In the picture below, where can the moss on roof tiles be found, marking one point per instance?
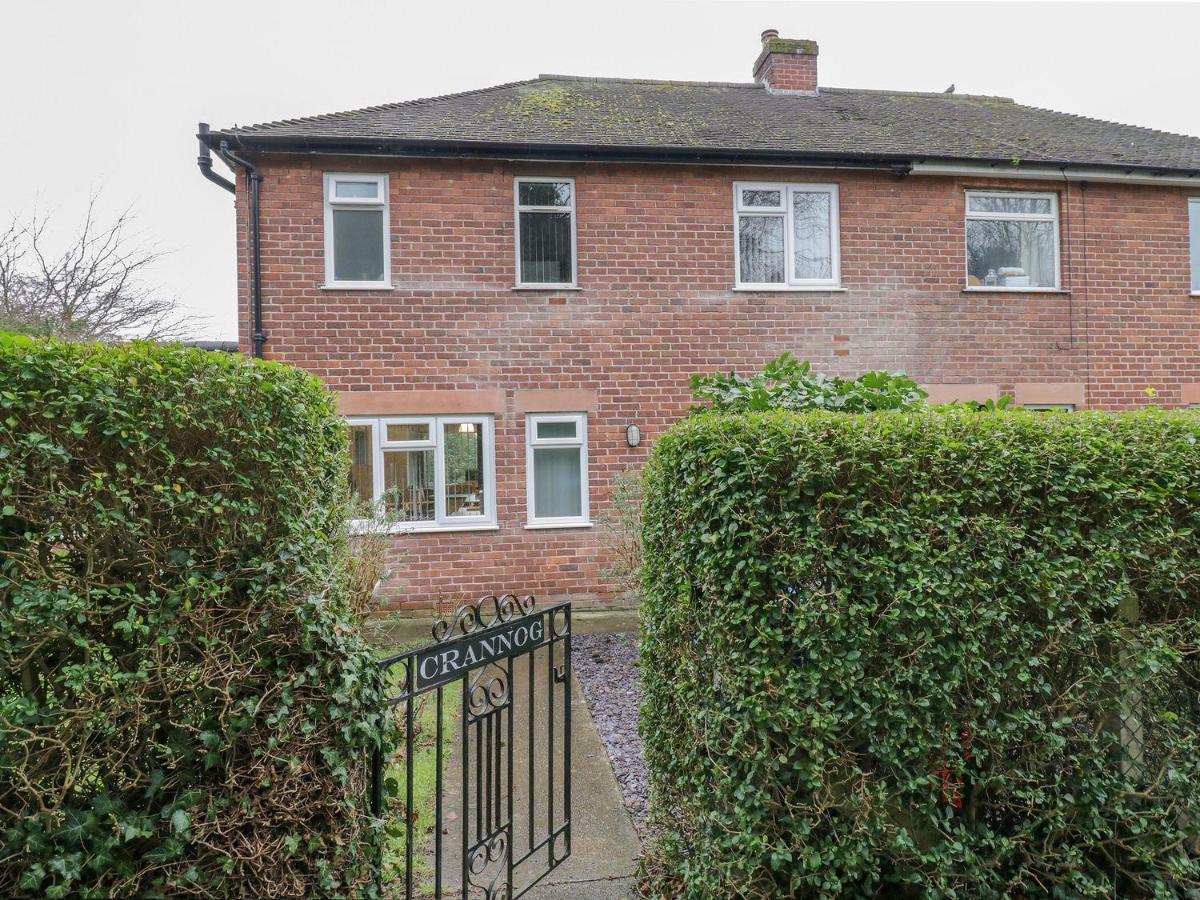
(744, 117)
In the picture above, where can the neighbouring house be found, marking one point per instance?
(509, 288)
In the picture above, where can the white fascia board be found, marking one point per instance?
(1045, 173)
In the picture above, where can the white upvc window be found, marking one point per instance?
(545, 232)
(1050, 407)
(557, 469)
(1194, 223)
(1012, 241)
(357, 244)
(787, 236)
(425, 472)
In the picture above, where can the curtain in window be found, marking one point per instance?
(545, 247)
(557, 489)
(1194, 210)
(358, 245)
(812, 249)
(362, 463)
(760, 243)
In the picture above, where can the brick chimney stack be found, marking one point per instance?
(786, 65)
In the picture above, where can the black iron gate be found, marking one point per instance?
(502, 821)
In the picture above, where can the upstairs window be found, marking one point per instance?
(545, 232)
(1012, 241)
(425, 471)
(787, 235)
(1194, 217)
(556, 468)
(356, 231)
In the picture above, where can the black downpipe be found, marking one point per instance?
(204, 161)
(255, 179)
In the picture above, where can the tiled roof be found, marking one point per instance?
(611, 114)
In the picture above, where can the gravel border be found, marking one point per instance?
(607, 668)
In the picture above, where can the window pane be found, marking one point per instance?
(362, 463)
(1194, 209)
(1010, 204)
(760, 243)
(408, 431)
(408, 484)
(556, 430)
(356, 189)
(544, 193)
(811, 245)
(556, 482)
(1010, 254)
(772, 199)
(358, 245)
(545, 248)
(465, 488)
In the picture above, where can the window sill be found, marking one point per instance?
(1194, 294)
(792, 289)
(366, 286)
(1013, 290)
(545, 526)
(360, 526)
(547, 287)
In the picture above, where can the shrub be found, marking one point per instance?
(788, 383)
(928, 654)
(190, 707)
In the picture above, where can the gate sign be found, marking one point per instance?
(443, 663)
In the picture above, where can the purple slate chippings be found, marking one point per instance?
(607, 668)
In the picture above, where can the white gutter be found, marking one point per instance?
(1045, 173)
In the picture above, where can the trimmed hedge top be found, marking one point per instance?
(945, 654)
(191, 709)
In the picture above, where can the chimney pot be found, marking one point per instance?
(786, 65)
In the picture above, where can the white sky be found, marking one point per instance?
(106, 95)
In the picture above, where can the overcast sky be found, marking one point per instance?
(105, 96)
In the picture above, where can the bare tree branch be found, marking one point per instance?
(93, 290)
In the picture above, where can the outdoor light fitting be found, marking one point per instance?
(633, 435)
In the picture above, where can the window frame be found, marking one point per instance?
(786, 212)
(436, 423)
(518, 208)
(1193, 208)
(532, 442)
(1053, 217)
(1049, 407)
(332, 202)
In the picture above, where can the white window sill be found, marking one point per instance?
(983, 289)
(362, 286)
(547, 287)
(360, 526)
(1195, 294)
(544, 526)
(793, 288)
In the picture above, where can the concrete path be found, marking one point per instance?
(604, 845)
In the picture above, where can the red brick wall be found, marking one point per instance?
(788, 72)
(655, 306)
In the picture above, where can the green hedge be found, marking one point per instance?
(188, 707)
(924, 654)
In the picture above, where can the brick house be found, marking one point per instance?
(506, 288)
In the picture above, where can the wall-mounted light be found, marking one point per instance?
(633, 435)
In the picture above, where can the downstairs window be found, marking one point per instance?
(425, 471)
